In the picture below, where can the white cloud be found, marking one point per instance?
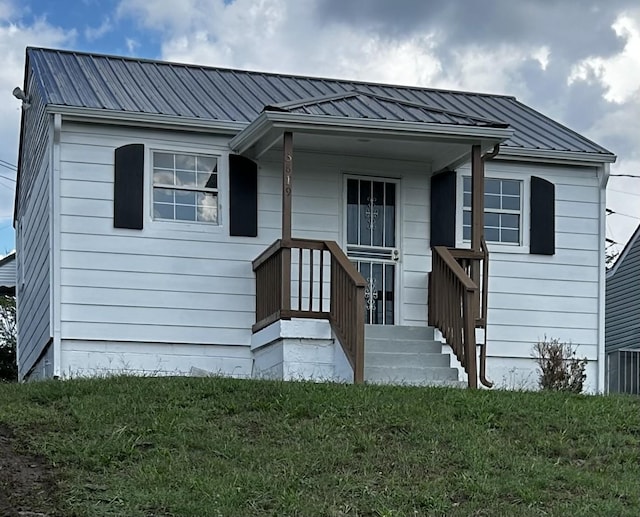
(287, 37)
(132, 45)
(15, 36)
(6, 10)
(490, 69)
(94, 33)
(620, 73)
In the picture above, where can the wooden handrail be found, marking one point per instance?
(345, 263)
(454, 307)
(266, 254)
(463, 253)
(276, 299)
(448, 257)
(458, 305)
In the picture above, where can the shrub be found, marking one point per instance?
(560, 368)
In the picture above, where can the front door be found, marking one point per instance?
(372, 243)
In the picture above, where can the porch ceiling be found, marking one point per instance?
(440, 145)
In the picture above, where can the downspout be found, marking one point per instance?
(54, 228)
(603, 174)
(483, 350)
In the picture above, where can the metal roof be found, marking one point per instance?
(359, 104)
(76, 79)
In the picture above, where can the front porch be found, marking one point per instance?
(302, 280)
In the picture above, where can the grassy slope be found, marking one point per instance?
(152, 446)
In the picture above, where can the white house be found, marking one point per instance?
(178, 219)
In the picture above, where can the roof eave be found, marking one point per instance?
(79, 114)
(555, 156)
(259, 134)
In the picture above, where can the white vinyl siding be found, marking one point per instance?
(187, 284)
(533, 296)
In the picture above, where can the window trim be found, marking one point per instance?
(523, 245)
(180, 225)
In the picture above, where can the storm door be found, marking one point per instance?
(372, 244)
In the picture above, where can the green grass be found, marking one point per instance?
(179, 446)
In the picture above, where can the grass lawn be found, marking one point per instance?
(207, 447)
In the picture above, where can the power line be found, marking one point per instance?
(9, 164)
(7, 167)
(8, 185)
(7, 177)
(610, 212)
(626, 175)
(623, 192)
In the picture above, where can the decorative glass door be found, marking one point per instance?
(371, 244)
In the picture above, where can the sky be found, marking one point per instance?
(576, 61)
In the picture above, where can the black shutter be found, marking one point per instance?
(243, 196)
(443, 209)
(128, 187)
(543, 217)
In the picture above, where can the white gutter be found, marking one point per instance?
(128, 118)
(295, 121)
(549, 155)
(603, 174)
(322, 122)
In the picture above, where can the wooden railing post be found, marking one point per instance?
(285, 275)
(358, 371)
(287, 183)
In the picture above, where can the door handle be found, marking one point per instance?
(395, 255)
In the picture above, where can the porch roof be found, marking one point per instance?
(358, 104)
(127, 89)
(442, 144)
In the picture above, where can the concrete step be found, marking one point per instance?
(406, 355)
(405, 346)
(396, 332)
(442, 384)
(408, 375)
(398, 359)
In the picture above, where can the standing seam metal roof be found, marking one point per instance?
(155, 87)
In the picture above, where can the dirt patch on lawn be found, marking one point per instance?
(27, 482)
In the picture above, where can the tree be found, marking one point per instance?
(611, 255)
(8, 339)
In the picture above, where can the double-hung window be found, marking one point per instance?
(185, 187)
(502, 210)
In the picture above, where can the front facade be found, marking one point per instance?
(147, 192)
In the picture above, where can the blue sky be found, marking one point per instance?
(576, 61)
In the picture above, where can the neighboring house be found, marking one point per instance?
(179, 219)
(622, 325)
(8, 274)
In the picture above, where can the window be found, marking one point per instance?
(502, 210)
(185, 187)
